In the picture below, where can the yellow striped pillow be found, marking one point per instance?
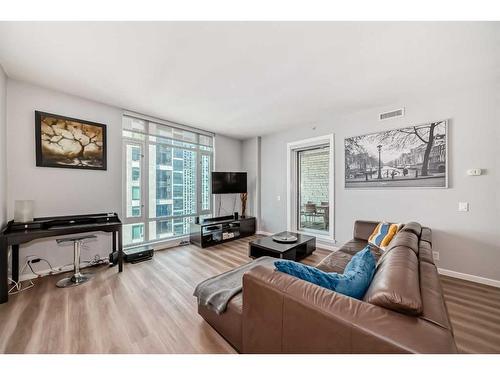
(383, 234)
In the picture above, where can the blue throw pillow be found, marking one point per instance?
(358, 274)
(363, 260)
(353, 282)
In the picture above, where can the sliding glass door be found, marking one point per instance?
(167, 186)
(310, 187)
(313, 189)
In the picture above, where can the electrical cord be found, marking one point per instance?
(17, 287)
(30, 259)
(92, 262)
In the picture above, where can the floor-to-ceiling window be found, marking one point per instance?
(167, 173)
(310, 179)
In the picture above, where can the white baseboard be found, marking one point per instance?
(465, 276)
(165, 243)
(264, 233)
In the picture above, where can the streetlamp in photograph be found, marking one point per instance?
(379, 163)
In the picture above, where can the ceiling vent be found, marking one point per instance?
(392, 114)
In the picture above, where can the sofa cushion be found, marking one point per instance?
(425, 252)
(413, 227)
(395, 285)
(337, 260)
(426, 235)
(353, 246)
(383, 234)
(353, 282)
(405, 238)
(434, 307)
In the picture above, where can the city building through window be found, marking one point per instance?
(167, 173)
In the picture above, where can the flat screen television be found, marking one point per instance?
(229, 182)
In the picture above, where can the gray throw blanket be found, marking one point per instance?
(214, 293)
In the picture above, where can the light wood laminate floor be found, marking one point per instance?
(149, 308)
(474, 311)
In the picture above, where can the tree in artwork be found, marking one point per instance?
(414, 156)
(71, 143)
(403, 138)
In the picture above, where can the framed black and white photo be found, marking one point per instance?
(65, 142)
(411, 157)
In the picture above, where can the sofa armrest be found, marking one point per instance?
(283, 314)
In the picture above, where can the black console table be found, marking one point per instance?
(222, 229)
(15, 234)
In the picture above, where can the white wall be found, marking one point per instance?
(468, 242)
(227, 159)
(3, 152)
(250, 160)
(59, 191)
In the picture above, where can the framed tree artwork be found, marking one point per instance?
(411, 157)
(65, 142)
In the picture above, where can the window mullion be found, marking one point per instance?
(146, 185)
(198, 180)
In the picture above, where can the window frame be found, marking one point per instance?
(141, 217)
(144, 144)
(292, 185)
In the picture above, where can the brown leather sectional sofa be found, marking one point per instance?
(403, 310)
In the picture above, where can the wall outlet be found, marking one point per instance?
(463, 206)
(435, 255)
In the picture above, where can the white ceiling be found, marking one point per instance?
(249, 78)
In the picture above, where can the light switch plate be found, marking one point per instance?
(435, 255)
(474, 172)
(463, 206)
(278, 198)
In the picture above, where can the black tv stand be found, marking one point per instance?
(214, 231)
(215, 219)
